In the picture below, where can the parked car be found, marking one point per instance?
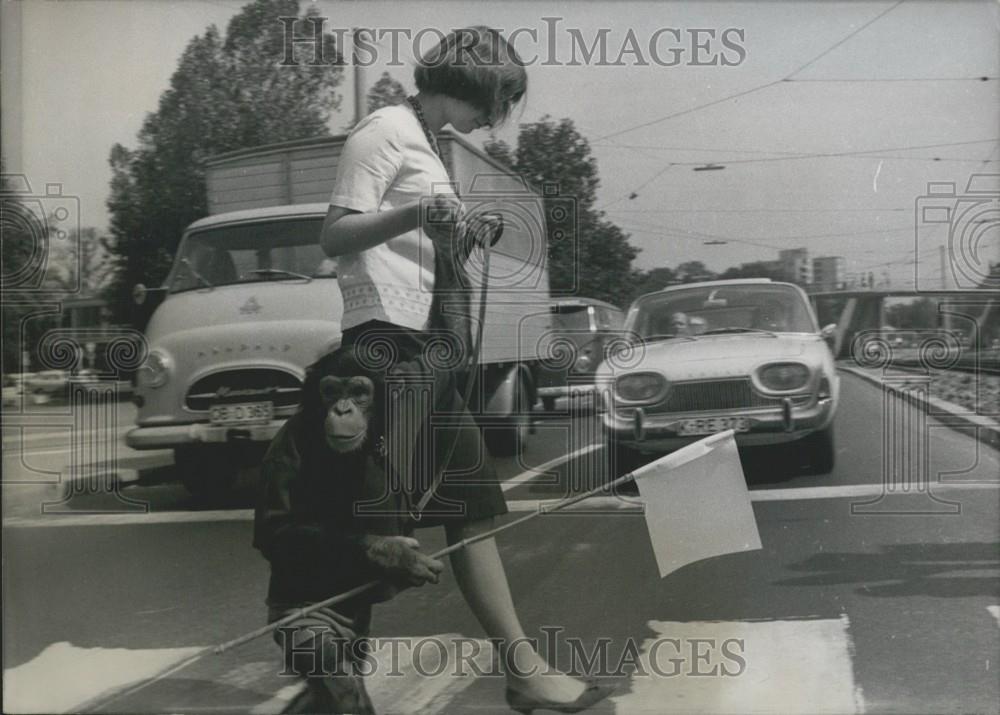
(11, 391)
(46, 385)
(581, 329)
(759, 366)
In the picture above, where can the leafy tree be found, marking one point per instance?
(654, 280)
(756, 269)
(83, 263)
(694, 271)
(589, 257)
(226, 94)
(386, 92)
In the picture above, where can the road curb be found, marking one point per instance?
(949, 414)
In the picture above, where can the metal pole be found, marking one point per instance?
(360, 110)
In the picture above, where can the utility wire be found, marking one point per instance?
(752, 90)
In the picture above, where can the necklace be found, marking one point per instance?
(431, 139)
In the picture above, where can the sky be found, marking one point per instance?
(830, 119)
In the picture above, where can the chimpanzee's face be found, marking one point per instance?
(349, 403)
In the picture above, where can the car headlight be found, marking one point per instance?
(155, 371)
(640, 387)
(784, 376)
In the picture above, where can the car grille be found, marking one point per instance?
(709, 395)
(281, 388)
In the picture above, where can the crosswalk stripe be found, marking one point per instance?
(745, 666)
(65, 677)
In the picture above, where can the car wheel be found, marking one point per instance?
(510, 439)
(207, 472)
(818, 449)
(549, 404)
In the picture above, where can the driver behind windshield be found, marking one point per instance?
(774, 316)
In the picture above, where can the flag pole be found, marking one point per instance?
(671, 460)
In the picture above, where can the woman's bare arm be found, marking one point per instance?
(347, 231)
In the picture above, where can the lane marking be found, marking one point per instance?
(535, 472)
(995, 612)
(63, 676)
(624, 504)
(745, 666)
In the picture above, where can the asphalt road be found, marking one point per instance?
(873, 592)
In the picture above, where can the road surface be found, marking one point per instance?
(864, 598)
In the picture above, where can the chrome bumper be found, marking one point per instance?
(573, 389)
(769, 426)
(167, 436)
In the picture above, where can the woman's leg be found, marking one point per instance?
(483, 581)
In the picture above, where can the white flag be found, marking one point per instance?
(697, 503)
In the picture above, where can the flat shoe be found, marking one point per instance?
(593, 694)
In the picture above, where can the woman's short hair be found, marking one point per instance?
(476, 65)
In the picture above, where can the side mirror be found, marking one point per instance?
(829, 334)
(140, 293)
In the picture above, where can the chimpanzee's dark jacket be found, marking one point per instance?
(306, 523)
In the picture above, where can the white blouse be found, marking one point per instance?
(386, 163)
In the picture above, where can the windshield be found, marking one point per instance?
(721, 309)
(571, 318)
(251, 253)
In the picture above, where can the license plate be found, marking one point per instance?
(711, 425)
(241, 413)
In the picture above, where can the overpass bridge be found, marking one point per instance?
(966, 319)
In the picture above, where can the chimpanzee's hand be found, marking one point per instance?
(400, 558)
(441, 214)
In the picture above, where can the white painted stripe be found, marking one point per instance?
(64, 431)
(995, 612)
(860, 490)
(744, 667)
(624, 504)
(63, 677)
(536, 472)
(423, 683)
(279, 701)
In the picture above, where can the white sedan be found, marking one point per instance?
(745, 355)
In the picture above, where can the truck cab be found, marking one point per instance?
(250, 302)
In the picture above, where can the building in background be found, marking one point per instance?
(828, 273)
(795, 265)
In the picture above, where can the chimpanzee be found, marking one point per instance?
(326, 459)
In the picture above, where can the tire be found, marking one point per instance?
(207, 472)
(818, 449)
(510, 439)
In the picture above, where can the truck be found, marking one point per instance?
(251, 300)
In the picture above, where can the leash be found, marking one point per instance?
(473, 368)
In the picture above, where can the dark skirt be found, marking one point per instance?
(470, 490)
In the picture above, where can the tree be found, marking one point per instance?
(83, 263)
(756, 269)
(385, 93)
(225, 94)
(694, 271)
(588, 255)
(654, 280)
